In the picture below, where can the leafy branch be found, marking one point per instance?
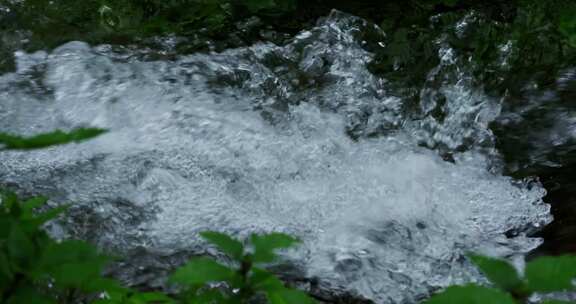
(542, 275)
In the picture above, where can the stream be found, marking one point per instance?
(298, 138)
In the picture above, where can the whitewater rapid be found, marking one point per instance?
(259, 139)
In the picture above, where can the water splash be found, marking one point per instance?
(258, 139)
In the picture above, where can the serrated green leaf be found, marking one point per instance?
(200, 271)
(555, 302)
(225, 243)
(266, 245)
(289, 296)
(471, 294)
(499, 272)
(14, 142)
(548, 274)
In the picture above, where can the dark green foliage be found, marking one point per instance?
(542, 275)
(265, 246)
(242, 277)
(201, 271)
(500, 273)
(504, 45)
(548, 274)
(13, 142)
(471, 294)
(36, 269)
(125, 21)
(225, 243)
(567, 24)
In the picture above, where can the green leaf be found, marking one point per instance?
(49, 215)
(32, 220)
(150, 297)
(265, 246)
(555, 302)
(6, 223)
(13, 142)
(98, 284)
(211, 296)
(9, 201)
(115, 297)
(19, 244)
(58, 254)
(265, 281)
(29, 295)
(5, 269)
(471, 294)
(77, 275)
(74, 264)
(289, 296)
(33, 203)
(567, 24)
(499, 272)
(200, 271)
(547, 274)
(226, 244)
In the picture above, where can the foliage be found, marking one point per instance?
(13, 142)
(508, 43)
(34, 268)
(542, 275)
(471, 294)
(567, 24)
(126, 21)
(244, 279)
(37, 269)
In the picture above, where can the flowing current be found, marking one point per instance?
(258, 139)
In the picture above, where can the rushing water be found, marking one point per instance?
(258, 139)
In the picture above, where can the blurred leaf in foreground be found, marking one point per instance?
(14, 142)
(471, 294)
(549, 274)
(500, 273)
